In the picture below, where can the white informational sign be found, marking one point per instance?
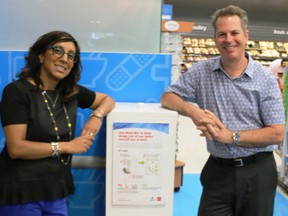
(139, 169)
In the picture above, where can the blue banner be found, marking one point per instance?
(124, 76)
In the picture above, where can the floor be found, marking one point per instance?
(186, 200)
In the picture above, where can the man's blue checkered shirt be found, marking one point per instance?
(248, 102)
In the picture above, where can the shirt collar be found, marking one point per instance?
(248, 71)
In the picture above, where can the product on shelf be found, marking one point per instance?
(196, 49)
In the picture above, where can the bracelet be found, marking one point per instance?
(98, 115)
(101, 111)
(55, 149)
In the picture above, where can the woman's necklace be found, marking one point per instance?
(46, 97)
(53, 102)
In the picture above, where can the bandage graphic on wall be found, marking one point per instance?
(127, 70)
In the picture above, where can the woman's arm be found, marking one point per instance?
(102, 105)
(20, 148)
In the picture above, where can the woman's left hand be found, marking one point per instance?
(92, 126)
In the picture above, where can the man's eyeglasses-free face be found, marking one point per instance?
(59, 52)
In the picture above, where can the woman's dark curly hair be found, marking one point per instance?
(67, 86)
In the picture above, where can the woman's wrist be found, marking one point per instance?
(98, 113)
(62, 147)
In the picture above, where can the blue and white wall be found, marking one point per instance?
(120, 42)
(127, 78)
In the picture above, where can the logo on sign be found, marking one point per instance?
(172, 26)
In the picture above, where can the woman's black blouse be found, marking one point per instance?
(23, 181)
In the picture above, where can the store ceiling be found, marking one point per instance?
(267, 11)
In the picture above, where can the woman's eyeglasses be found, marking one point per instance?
(59, 52)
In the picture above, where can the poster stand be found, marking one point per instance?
(140, 160)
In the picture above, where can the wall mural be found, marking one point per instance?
(127, 77)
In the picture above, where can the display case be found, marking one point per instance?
(196, 49)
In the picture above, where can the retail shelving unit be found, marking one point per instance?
(196, 49)
(172, 43)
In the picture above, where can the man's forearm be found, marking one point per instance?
(262, 137)
(175, 102)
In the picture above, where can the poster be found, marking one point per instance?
(139, 158)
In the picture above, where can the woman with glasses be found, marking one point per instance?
(38, 115)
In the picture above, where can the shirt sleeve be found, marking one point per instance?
(85, 96)
(271, 104)
(188, 84)
(14, 106)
